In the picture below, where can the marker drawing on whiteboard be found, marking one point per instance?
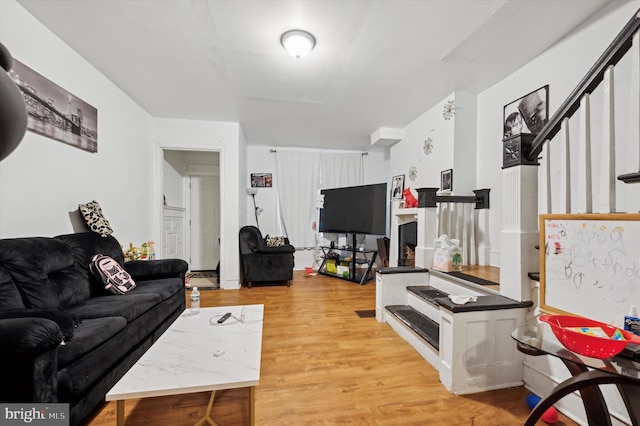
(558, 248)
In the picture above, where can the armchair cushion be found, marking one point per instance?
(275, 249)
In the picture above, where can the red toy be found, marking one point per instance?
(409, 199)
(550, 416)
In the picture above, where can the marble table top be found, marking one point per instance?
(197, 354)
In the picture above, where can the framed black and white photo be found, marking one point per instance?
(527, 114)
(446, 180)
(261, 180)
(54, 112)
(397, 186)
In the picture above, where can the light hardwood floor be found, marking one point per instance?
(324, 365)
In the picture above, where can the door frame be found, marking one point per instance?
(158, 189)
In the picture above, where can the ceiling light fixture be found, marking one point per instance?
(298, 42)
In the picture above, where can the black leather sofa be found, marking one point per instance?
(63, 338)
(260, 262)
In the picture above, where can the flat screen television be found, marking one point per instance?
(355, 210)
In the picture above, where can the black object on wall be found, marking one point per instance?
(13, 110)
(355, 210)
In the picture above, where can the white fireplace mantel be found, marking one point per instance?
(406, 215)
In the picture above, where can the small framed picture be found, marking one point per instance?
(527, 114)
(261, 180)
(446, 180)
(397, 186)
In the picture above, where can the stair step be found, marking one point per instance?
(427, 292)
(424, 326)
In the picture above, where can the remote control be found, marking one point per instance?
(224, 318)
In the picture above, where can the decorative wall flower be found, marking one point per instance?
(449, 110)
(428, 146)
(413, 173)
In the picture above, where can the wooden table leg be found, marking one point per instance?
(120, 412)
(252, 405)
(207, 415)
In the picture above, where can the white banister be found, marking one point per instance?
(544, 177)
(564, 188)
(633, 153)
(607, 193)
(584, 204)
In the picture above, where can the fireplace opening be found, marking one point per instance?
(407, 241)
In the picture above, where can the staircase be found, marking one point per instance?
(469, 344)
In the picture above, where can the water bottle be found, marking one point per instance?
(195, 301)
(631, 321)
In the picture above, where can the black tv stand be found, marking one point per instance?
(334, 259)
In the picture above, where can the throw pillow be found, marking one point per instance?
(111, 274)
(274, 241)
(92, 214)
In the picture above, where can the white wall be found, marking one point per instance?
(173, 178)
(261, 160)
(561, 67)
(409, 152)
(43, 179)
(174, 172)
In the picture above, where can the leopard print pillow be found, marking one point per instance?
(274, 241)
(92, 214)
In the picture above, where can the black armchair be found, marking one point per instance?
(259, 262)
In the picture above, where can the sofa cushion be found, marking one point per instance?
(130, 305)
(44, 272)
(90, 334)
(84, 246)
(9, 295)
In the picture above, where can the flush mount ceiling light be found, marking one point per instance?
(297, 42)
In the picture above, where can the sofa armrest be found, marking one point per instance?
(275, 249)
(24, 336)
(29, 359)
(156, 269)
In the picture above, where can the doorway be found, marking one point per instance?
(204, 224)
(191, 184)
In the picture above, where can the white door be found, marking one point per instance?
(205, 222)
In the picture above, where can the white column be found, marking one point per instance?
(518, 255)
(427, 233)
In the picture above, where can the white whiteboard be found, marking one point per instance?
(590, 265)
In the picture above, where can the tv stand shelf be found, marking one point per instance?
(335, 259)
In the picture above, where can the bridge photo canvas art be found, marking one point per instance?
(54, 112)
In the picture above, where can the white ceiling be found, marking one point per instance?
(376, 63)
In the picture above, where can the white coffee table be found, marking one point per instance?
(197, 354)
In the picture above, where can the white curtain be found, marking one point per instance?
(300, 176)
(297, 174)
(338, 170)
